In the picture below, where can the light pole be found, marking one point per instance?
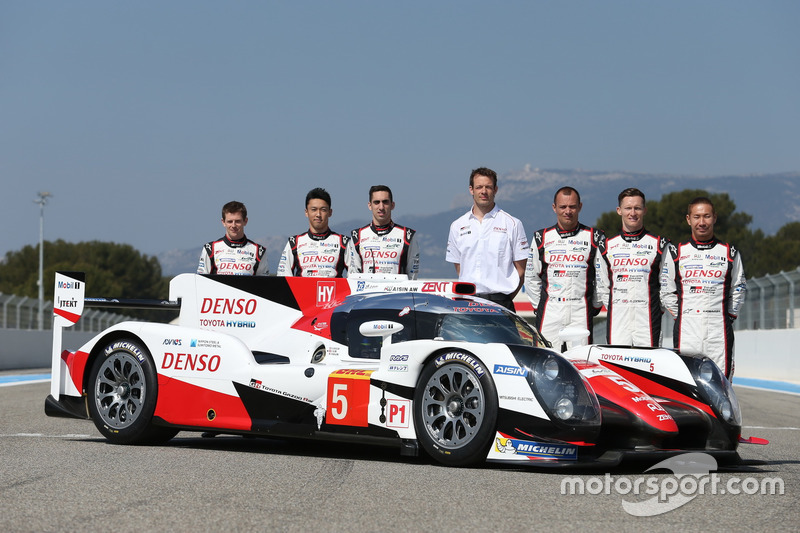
(42, 201)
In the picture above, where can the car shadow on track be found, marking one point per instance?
(388, 454)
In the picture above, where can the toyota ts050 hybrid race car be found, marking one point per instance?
(380, 360)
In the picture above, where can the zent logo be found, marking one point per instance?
(435, 286)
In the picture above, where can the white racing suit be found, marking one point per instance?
(560, 279)
(388, 249)
(315, 255)
(242, 258)
(703, 287)
(628, 284)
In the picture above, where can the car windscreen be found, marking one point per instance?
(487, 327)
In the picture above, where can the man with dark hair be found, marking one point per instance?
(382, 246)
(319, 252)
(560, 278)
(628, 276)
(234, 253)
(703, 287)
(488, 246)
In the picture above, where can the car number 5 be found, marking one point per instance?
(339, 397)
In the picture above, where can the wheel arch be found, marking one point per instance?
(447, 349)
(101, 344)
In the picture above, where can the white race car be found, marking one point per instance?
(381, 360)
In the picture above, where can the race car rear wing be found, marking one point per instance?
(68, 305)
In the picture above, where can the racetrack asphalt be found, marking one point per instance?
(59, 474)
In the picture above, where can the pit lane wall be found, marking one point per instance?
(767, 354)
(22, 349)
(760, 354)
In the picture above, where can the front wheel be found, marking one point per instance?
(123, 392)
(455, 409)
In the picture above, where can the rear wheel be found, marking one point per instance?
(455, 409)
(122, 395)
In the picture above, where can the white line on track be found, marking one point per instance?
(43, 436)
(765, 427)
(12, 383)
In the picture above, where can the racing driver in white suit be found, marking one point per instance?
(703, 287)
(560, 278)
(382, 246)
(319, 252)
(234, 253)
(629, 275)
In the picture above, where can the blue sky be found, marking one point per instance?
(143, 118)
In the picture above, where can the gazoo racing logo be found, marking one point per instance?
(457, 356)
(228, 306)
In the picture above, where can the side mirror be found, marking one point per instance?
(380, 328)
(576, 336)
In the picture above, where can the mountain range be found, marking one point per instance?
(771, 199)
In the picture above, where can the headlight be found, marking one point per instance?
(550, 368)
(715, 389)
(706, 371)
(565, 408)
(561, 389)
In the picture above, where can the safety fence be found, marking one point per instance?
(22, 312)
(771, 302)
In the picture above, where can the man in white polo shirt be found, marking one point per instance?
(488, 246)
